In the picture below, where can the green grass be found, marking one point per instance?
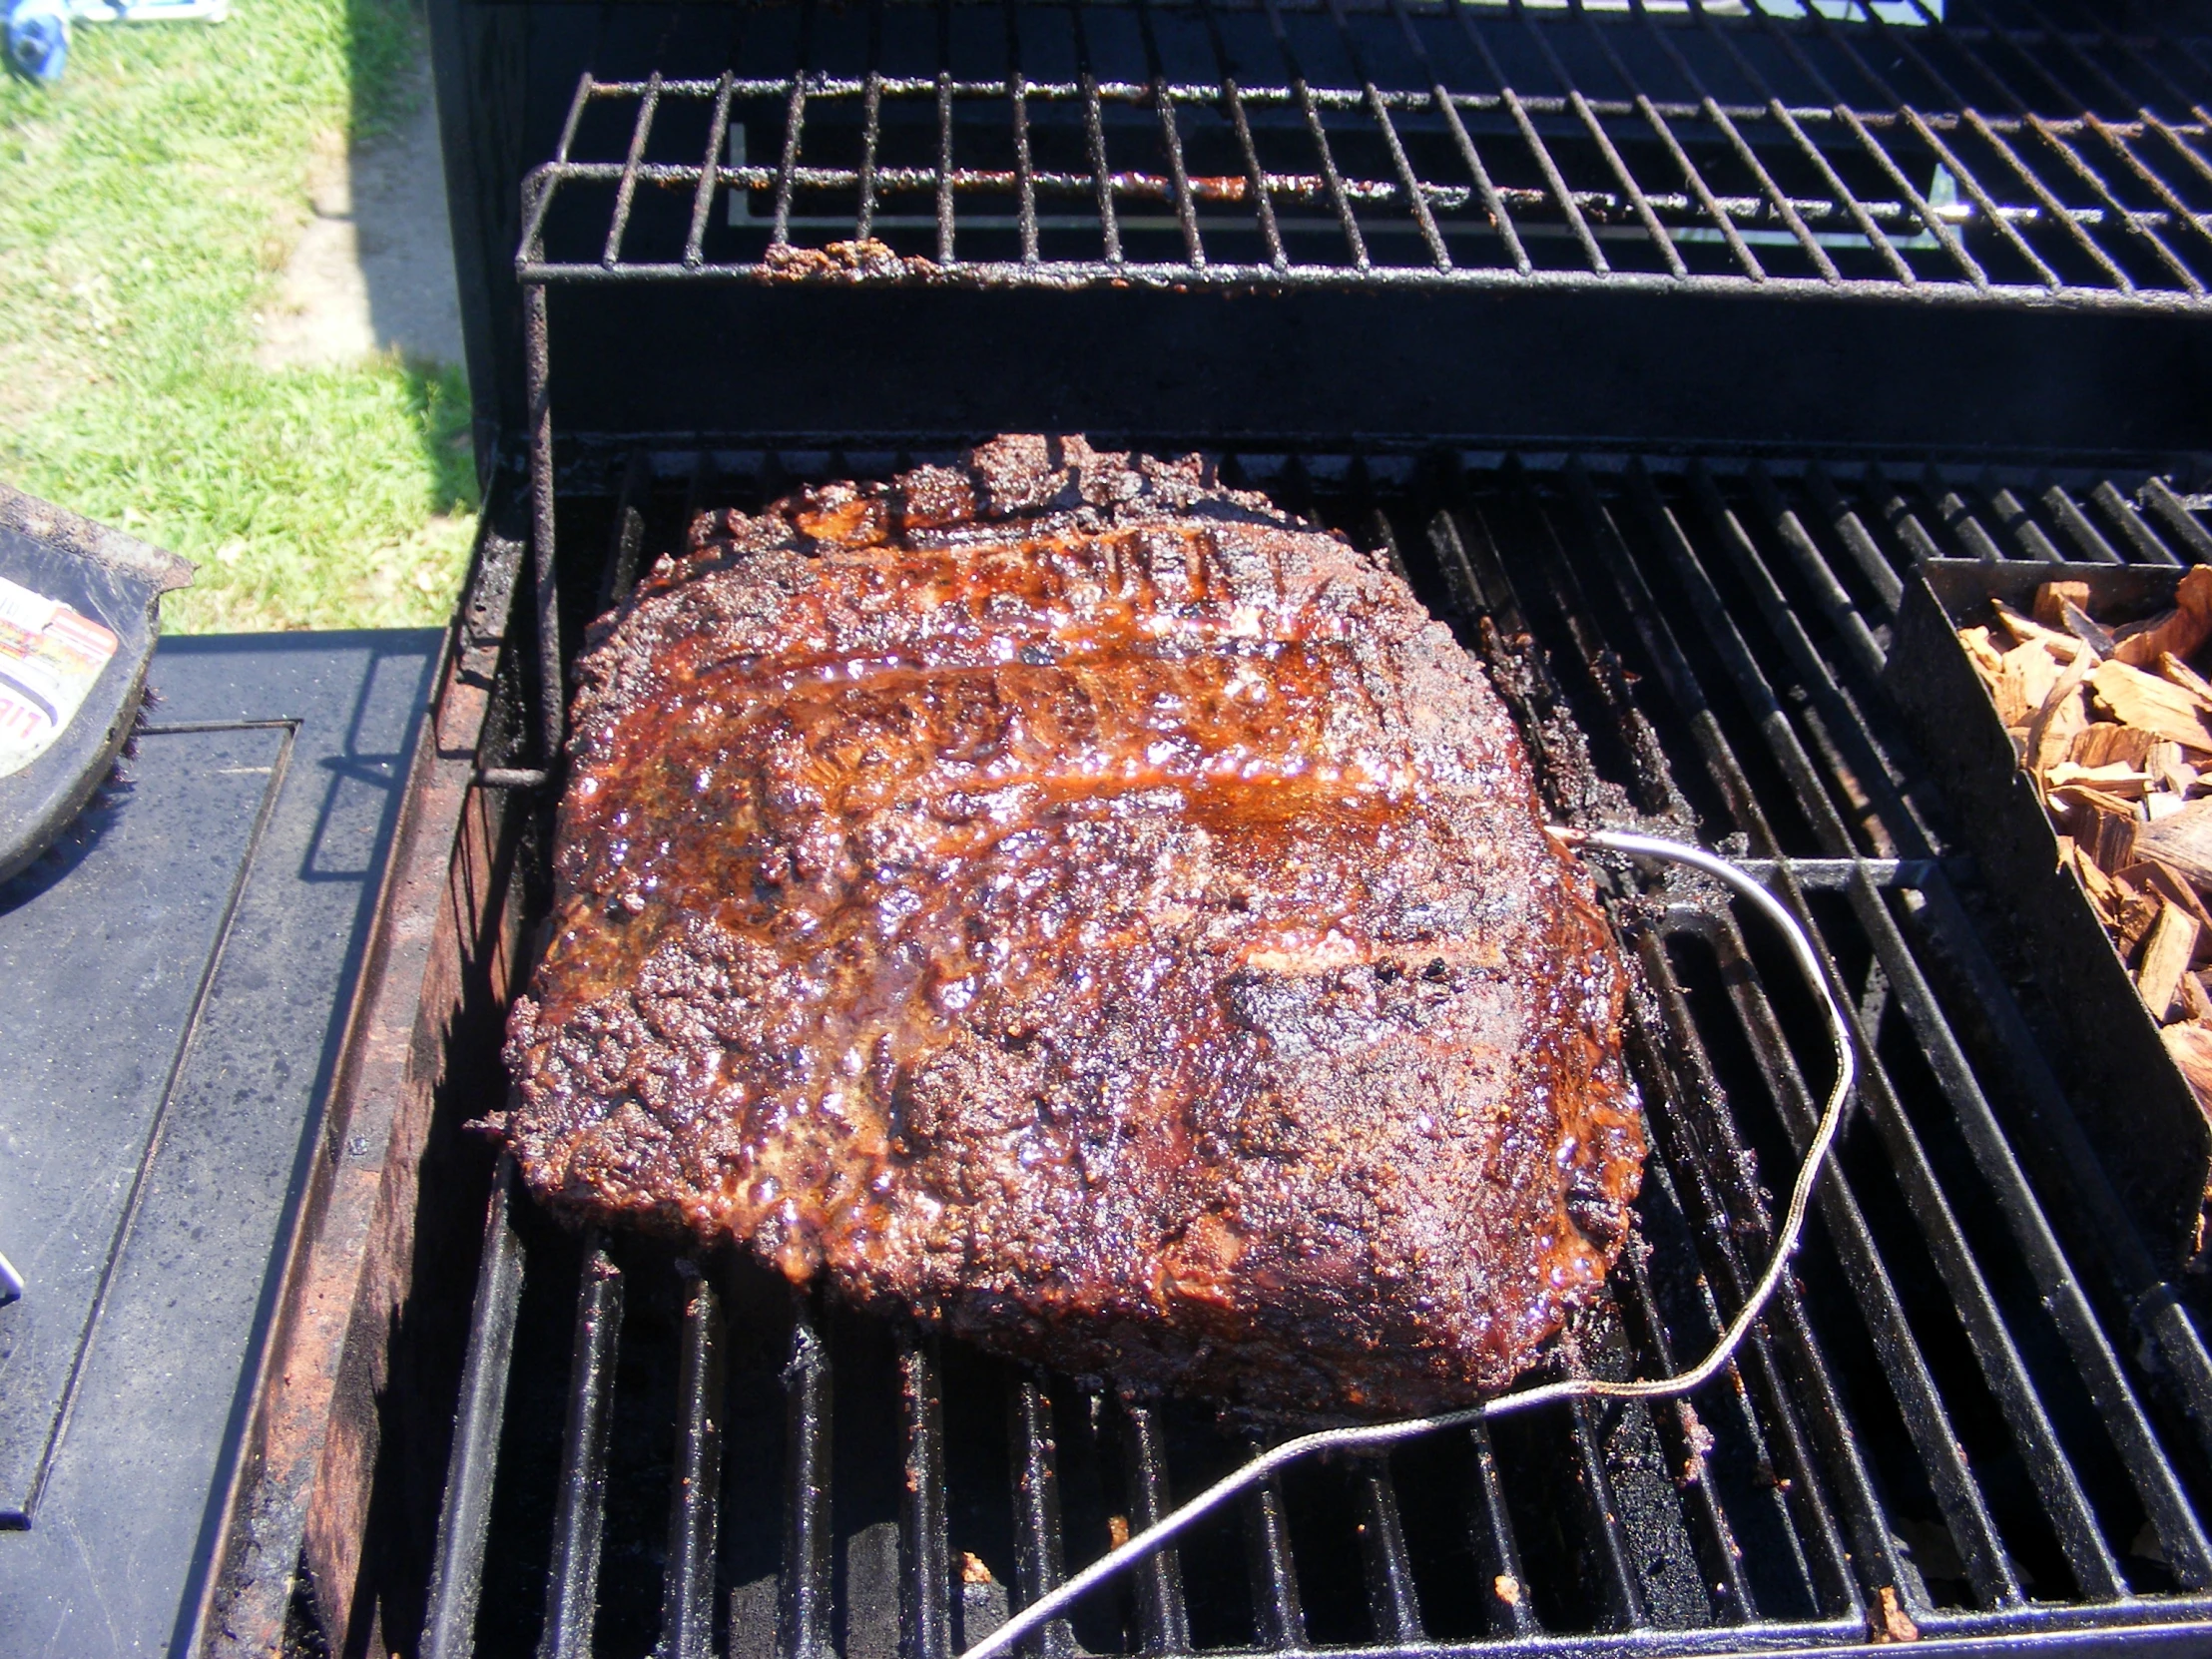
(146, 204)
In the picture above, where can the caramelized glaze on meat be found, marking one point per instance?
(1068, 898)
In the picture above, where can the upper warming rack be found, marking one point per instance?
(2015, 152)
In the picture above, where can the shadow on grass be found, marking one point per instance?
(388, 45)
(384, 41)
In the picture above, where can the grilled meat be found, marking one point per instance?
(1062, 896)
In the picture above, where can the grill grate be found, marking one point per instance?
(2022, 152)
(1979, 1408)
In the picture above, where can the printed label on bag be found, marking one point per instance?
(50, 655)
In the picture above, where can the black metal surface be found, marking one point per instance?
(1982, 1406)
(110, 983)
(1543, 369)
(177, 970)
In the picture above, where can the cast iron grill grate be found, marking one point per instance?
(1979, 1408)
(2022, 152)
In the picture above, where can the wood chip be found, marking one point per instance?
(2179, 632)
(2062, 645)
(2052, 595)
(1982, 651)
(2108, 742)
(2164, 762)
(2182, 843)
(2137, 914)
(2063, 717)
(2150, 876)
(2175, 672)
(2075, 797)
(2118, 780)
(2173, 940)
(2023, 683)
(2102, 891)
(2154, 705)
(2196, 1001)
(2191, 1048)
(2104, 825)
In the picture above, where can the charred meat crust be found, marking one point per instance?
(1063, 898)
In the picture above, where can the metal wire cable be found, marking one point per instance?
(1141, 1544)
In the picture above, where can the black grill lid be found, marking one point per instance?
(52, 564)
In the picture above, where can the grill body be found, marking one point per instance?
(1659, 349)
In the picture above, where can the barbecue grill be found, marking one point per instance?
(1660, 347)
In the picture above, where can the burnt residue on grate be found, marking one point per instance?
(1978, 1408)
(1998, 151)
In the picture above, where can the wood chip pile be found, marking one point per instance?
(2114, 724)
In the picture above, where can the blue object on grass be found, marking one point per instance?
(38, 38)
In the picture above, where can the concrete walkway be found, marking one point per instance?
(374, 270)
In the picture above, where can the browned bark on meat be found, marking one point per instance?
(1066, 898)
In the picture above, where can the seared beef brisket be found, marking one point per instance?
(1066, 898)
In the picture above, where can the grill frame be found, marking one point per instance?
(2119, 1300)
